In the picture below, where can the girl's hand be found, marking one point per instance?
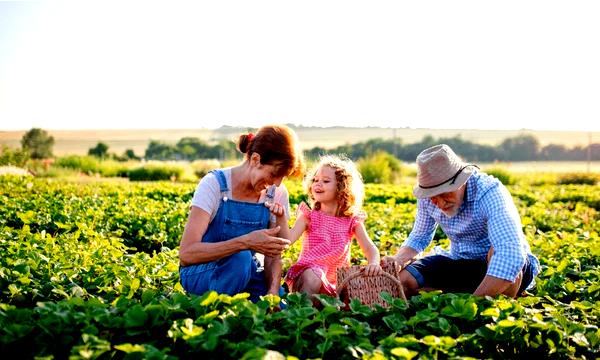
(275, 208)
(373, 269)
(266, 242)
(277, 214)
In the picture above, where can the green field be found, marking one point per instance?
(546, 166)
(88, 270)
(79, 142)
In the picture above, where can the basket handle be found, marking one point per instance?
(355, 274)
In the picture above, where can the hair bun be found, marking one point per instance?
(244, 142)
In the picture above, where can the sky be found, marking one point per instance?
(503, 65)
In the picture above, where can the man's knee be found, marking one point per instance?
(409, 283)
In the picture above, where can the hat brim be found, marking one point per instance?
(461, 179)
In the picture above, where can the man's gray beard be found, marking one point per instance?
(452, 214)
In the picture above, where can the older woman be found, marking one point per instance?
(228, 222)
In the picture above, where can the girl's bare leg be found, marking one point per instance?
(308, 282)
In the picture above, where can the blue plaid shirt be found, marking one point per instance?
(487, 217)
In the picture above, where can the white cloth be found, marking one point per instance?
(208, 194)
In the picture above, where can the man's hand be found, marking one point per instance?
(404, 255)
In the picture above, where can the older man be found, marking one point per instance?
(488, 253)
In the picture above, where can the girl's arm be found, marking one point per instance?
(369, 249)
(285, 232)
(296, 231)
(193, 251)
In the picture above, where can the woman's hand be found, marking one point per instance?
(373, 269)
(266, 242)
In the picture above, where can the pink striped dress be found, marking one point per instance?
(325, 247)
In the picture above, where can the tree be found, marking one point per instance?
(38, 143)
(160, 151)
(130, 155)
(521, 148)
(380, 168)
(100, 151)
(191, 148)
(554, 152)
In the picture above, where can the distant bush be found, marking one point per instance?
(578, 179)
(14, 157)
(86, 164)
(501, 174)
(156, 172)
(91, 165)
(202, 167)
(541, 179)
(381, 168)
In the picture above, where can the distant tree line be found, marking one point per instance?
(519, 148)
(191, 148)
(37, 144)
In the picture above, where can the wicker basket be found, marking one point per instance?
(353, 283)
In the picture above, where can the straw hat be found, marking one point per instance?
(440, 170)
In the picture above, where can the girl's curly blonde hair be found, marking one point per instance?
(350, 187)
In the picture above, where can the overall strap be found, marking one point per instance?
(220, 175)
(271, 198)
(271, 193)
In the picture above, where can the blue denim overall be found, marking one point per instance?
(238, 272)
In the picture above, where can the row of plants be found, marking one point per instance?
(90, 270)
(432, 325)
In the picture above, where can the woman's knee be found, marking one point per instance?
(233, 273)
(195, 278)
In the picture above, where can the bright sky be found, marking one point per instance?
(426, 64)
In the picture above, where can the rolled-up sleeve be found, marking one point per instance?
(505, 234)
(423, 229)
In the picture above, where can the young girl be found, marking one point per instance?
(336, 190)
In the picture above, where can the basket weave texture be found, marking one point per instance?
(353, 283)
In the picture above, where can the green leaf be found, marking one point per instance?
(26, 217)
(580, 339)
(130, 348)
(336, 329)
(395, 322)
(135, 317)
(491, 312)
(403, 353)
(209, 298)
(135, 284)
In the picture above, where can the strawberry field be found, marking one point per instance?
(90, 270)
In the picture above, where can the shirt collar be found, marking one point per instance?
(471, 188)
